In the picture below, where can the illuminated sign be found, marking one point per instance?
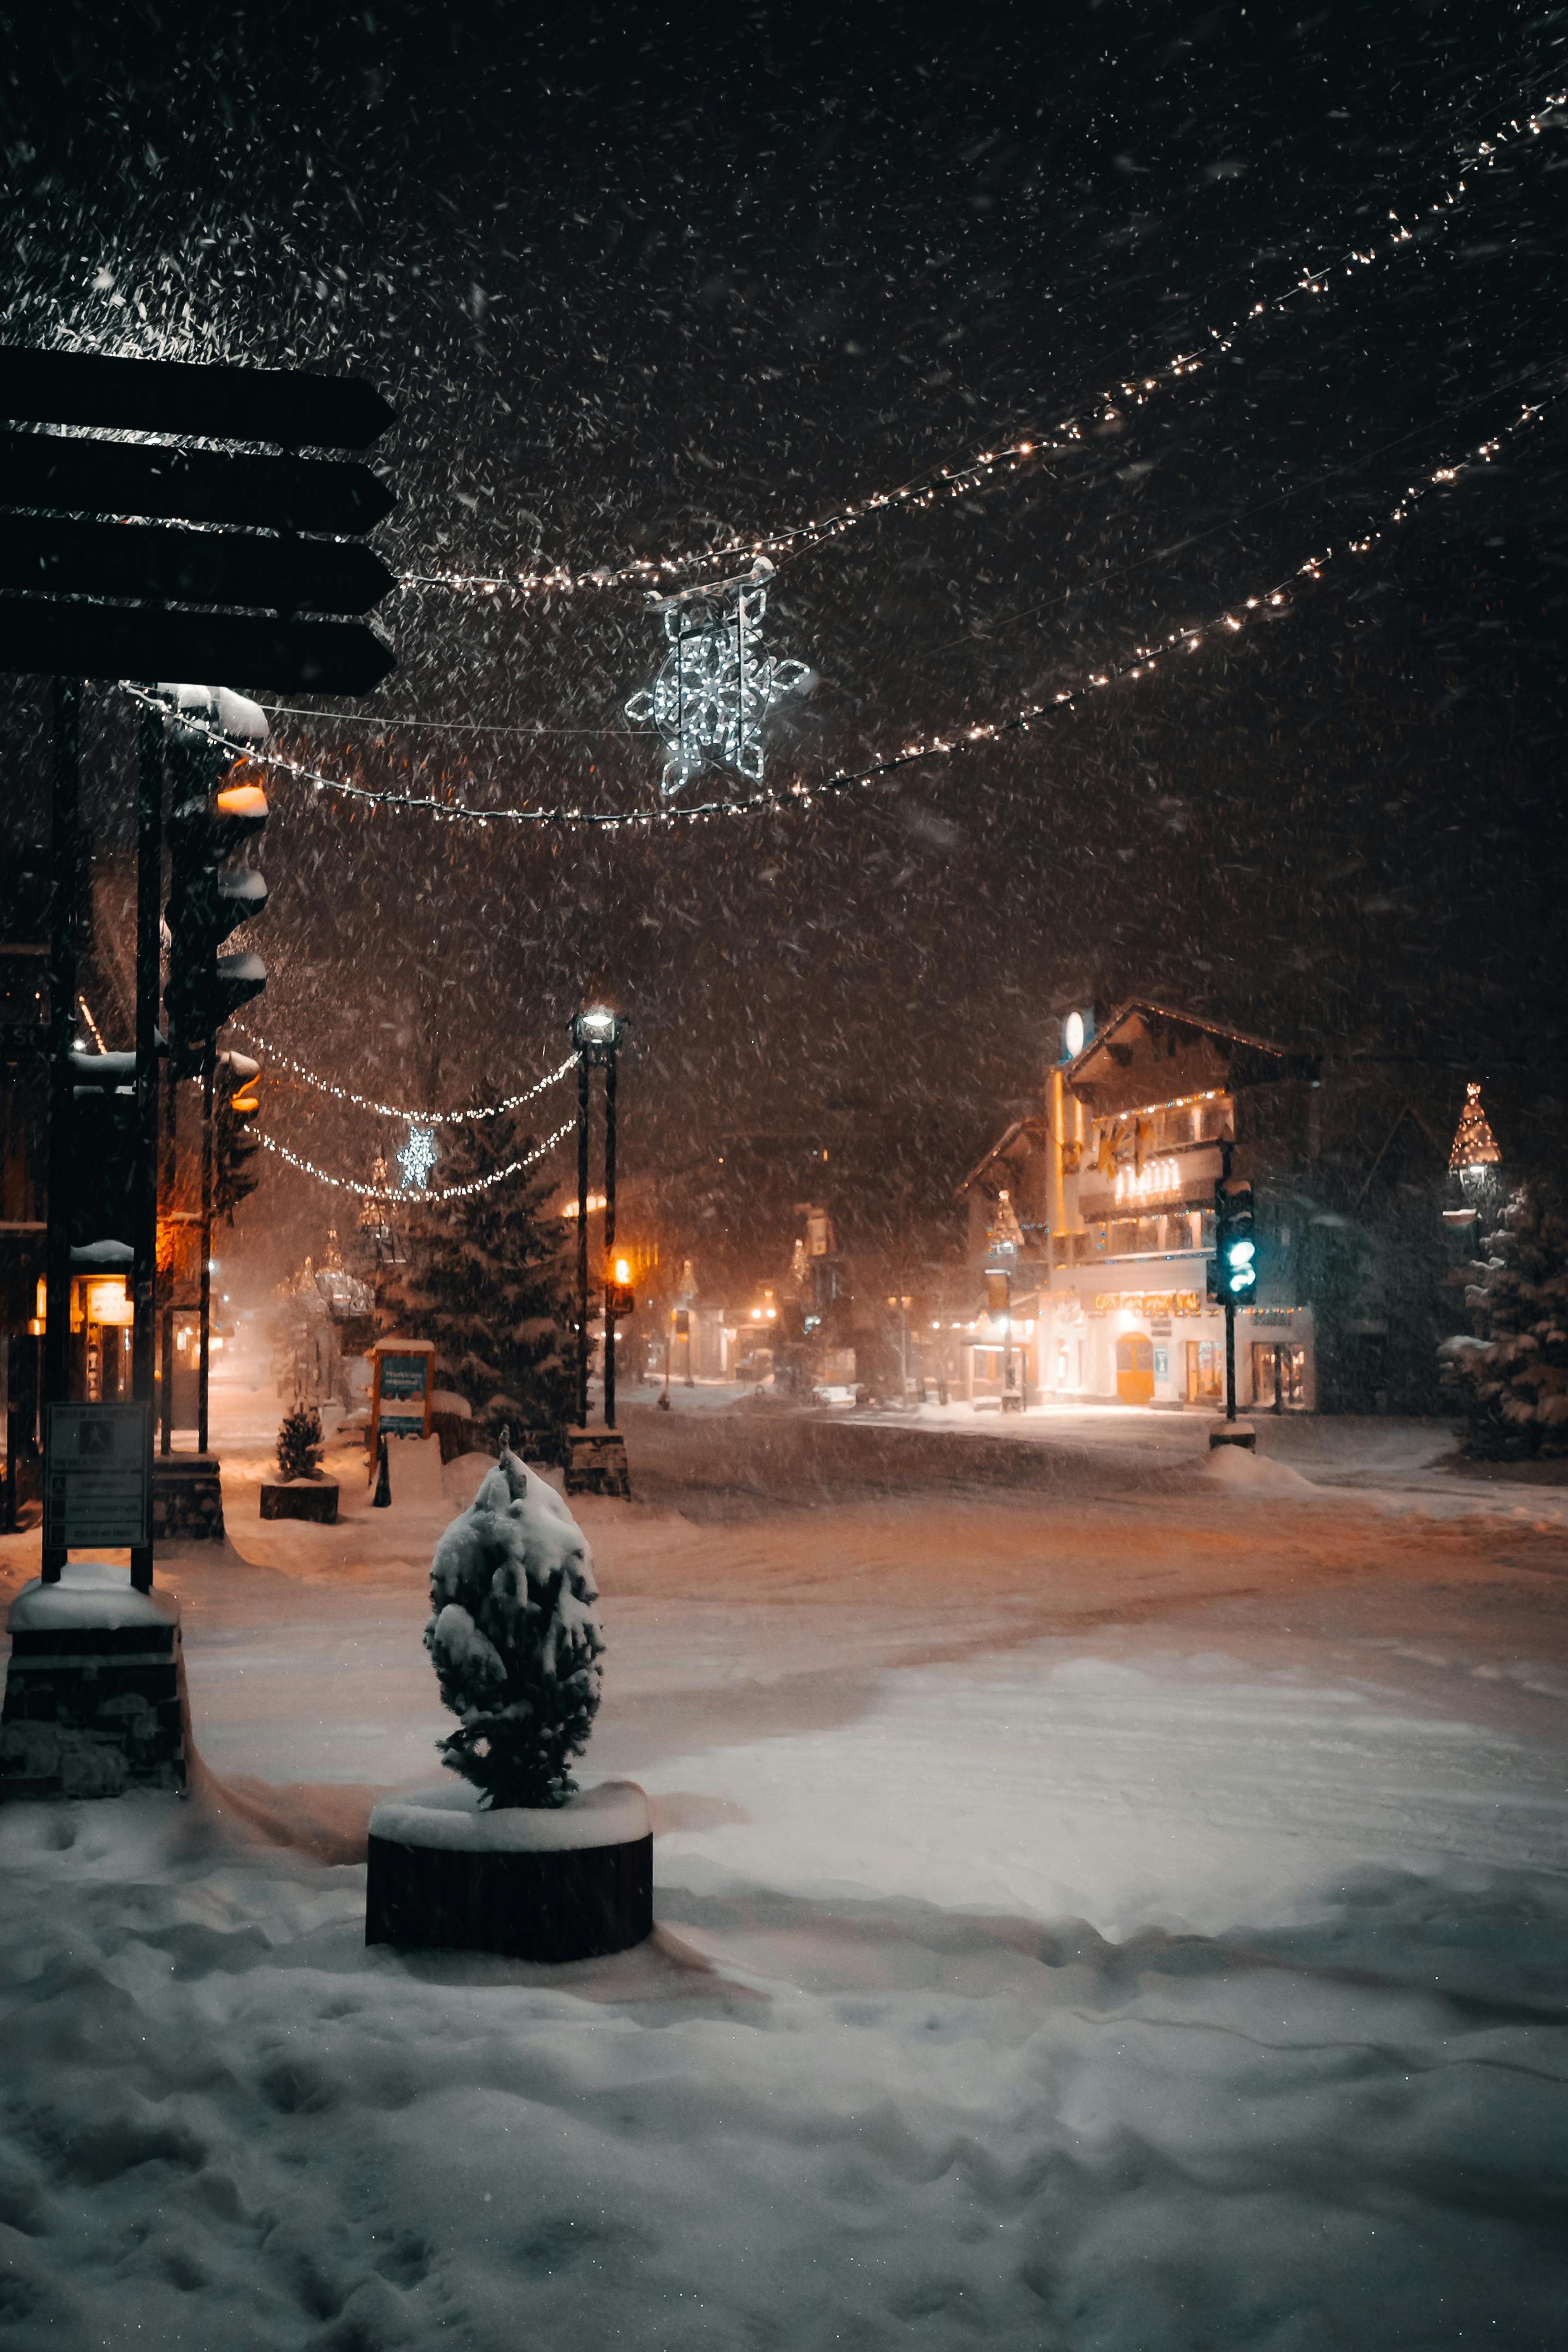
(1152, 1303)
(1153, 1182)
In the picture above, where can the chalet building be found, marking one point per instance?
(1092, 1224)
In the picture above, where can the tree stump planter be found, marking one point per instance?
(571, 1882)
(300, 1498)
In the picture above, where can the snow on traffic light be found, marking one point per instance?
(212, 888)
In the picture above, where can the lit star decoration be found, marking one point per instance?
(418, 1157)
(1403, 232)
(711, 699)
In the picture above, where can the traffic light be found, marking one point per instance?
(1235, 1241)
(100, 1184)
(235, 1103)
(212, 889)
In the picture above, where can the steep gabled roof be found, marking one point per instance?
(1034, 1128)
(1249, 1060)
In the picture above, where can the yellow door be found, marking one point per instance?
(1134, 1369)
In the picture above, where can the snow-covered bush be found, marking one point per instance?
(514, 1638)
(300, 1441)
(1509, 1373)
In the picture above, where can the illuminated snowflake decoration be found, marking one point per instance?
(417, 1158)
(710, 700)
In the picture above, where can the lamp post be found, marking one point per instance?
(597, 1464)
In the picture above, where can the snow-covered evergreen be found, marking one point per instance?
(299, 1440)
(1510, 1374)
(515, 1639)
(487, 1278)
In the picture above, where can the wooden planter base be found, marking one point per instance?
(564, 1902)
(301, 1499)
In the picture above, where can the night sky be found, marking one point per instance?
(636, 281)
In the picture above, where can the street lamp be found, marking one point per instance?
(596, 1035)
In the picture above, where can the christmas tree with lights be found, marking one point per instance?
(1475, 1146)
(487, 1278)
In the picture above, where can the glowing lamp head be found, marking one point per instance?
(597, 1030)
(622, 1269)
(1075, 1035)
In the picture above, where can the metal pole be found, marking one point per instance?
(13, 1437)
(209, 1073)
(166, 1320)
(583, 1240)
(1230, 1360)
(609, 1236)
(65, 862)
(149, 907)
(1229, 1307)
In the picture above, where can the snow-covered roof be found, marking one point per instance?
(1032, 1129)
(1248, 1059)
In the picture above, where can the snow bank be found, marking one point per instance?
(90, 1594)
(784, 2123)
(1256, 1473)
(448, 1816)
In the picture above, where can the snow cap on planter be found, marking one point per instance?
(514, 1638)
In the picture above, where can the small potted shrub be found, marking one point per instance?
(510, 1855)
(300, 1491)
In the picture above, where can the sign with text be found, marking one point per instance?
(401, 1390)
(98, 1475)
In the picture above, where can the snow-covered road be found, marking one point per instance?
(1085, 1922)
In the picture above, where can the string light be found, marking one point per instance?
(92, 1024)
(400, 1199)
(394, 1110)
(1107, 407)
(1146, 661)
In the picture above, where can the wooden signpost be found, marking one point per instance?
(147, 559)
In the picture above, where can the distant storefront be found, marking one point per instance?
(1095, 1226)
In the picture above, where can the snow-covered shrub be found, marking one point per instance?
(300, 1441)
(514, 1640)
(1509, 1373)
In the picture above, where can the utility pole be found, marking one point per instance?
(209, 1075)
(581, 1239)
(1229, 1309)
(166, 1320)
(65, 876)
(149, 976)
(610, 1300)
(596, 1459)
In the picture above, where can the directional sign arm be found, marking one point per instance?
(222, 403)
(65, 640)
(67, 475)
(193, 567)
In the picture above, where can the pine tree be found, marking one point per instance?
(1475, 1146)
(1509, 1373)
(487, 1278)
(514, 1640)
(299, 1440)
